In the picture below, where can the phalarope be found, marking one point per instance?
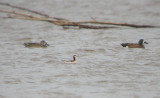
(72, 61)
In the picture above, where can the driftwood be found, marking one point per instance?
(94, 24)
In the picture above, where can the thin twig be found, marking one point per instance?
(32, 11)
(13, 12)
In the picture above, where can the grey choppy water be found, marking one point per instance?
(104, 68)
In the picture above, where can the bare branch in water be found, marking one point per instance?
(94, 24)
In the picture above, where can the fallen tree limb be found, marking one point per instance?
(61, 23)
(94, 24)
(119, 24)
(95, 27)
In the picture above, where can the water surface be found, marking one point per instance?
(105, 69)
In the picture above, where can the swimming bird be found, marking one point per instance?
(72, 61)
(41, 44)
(135, 45)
